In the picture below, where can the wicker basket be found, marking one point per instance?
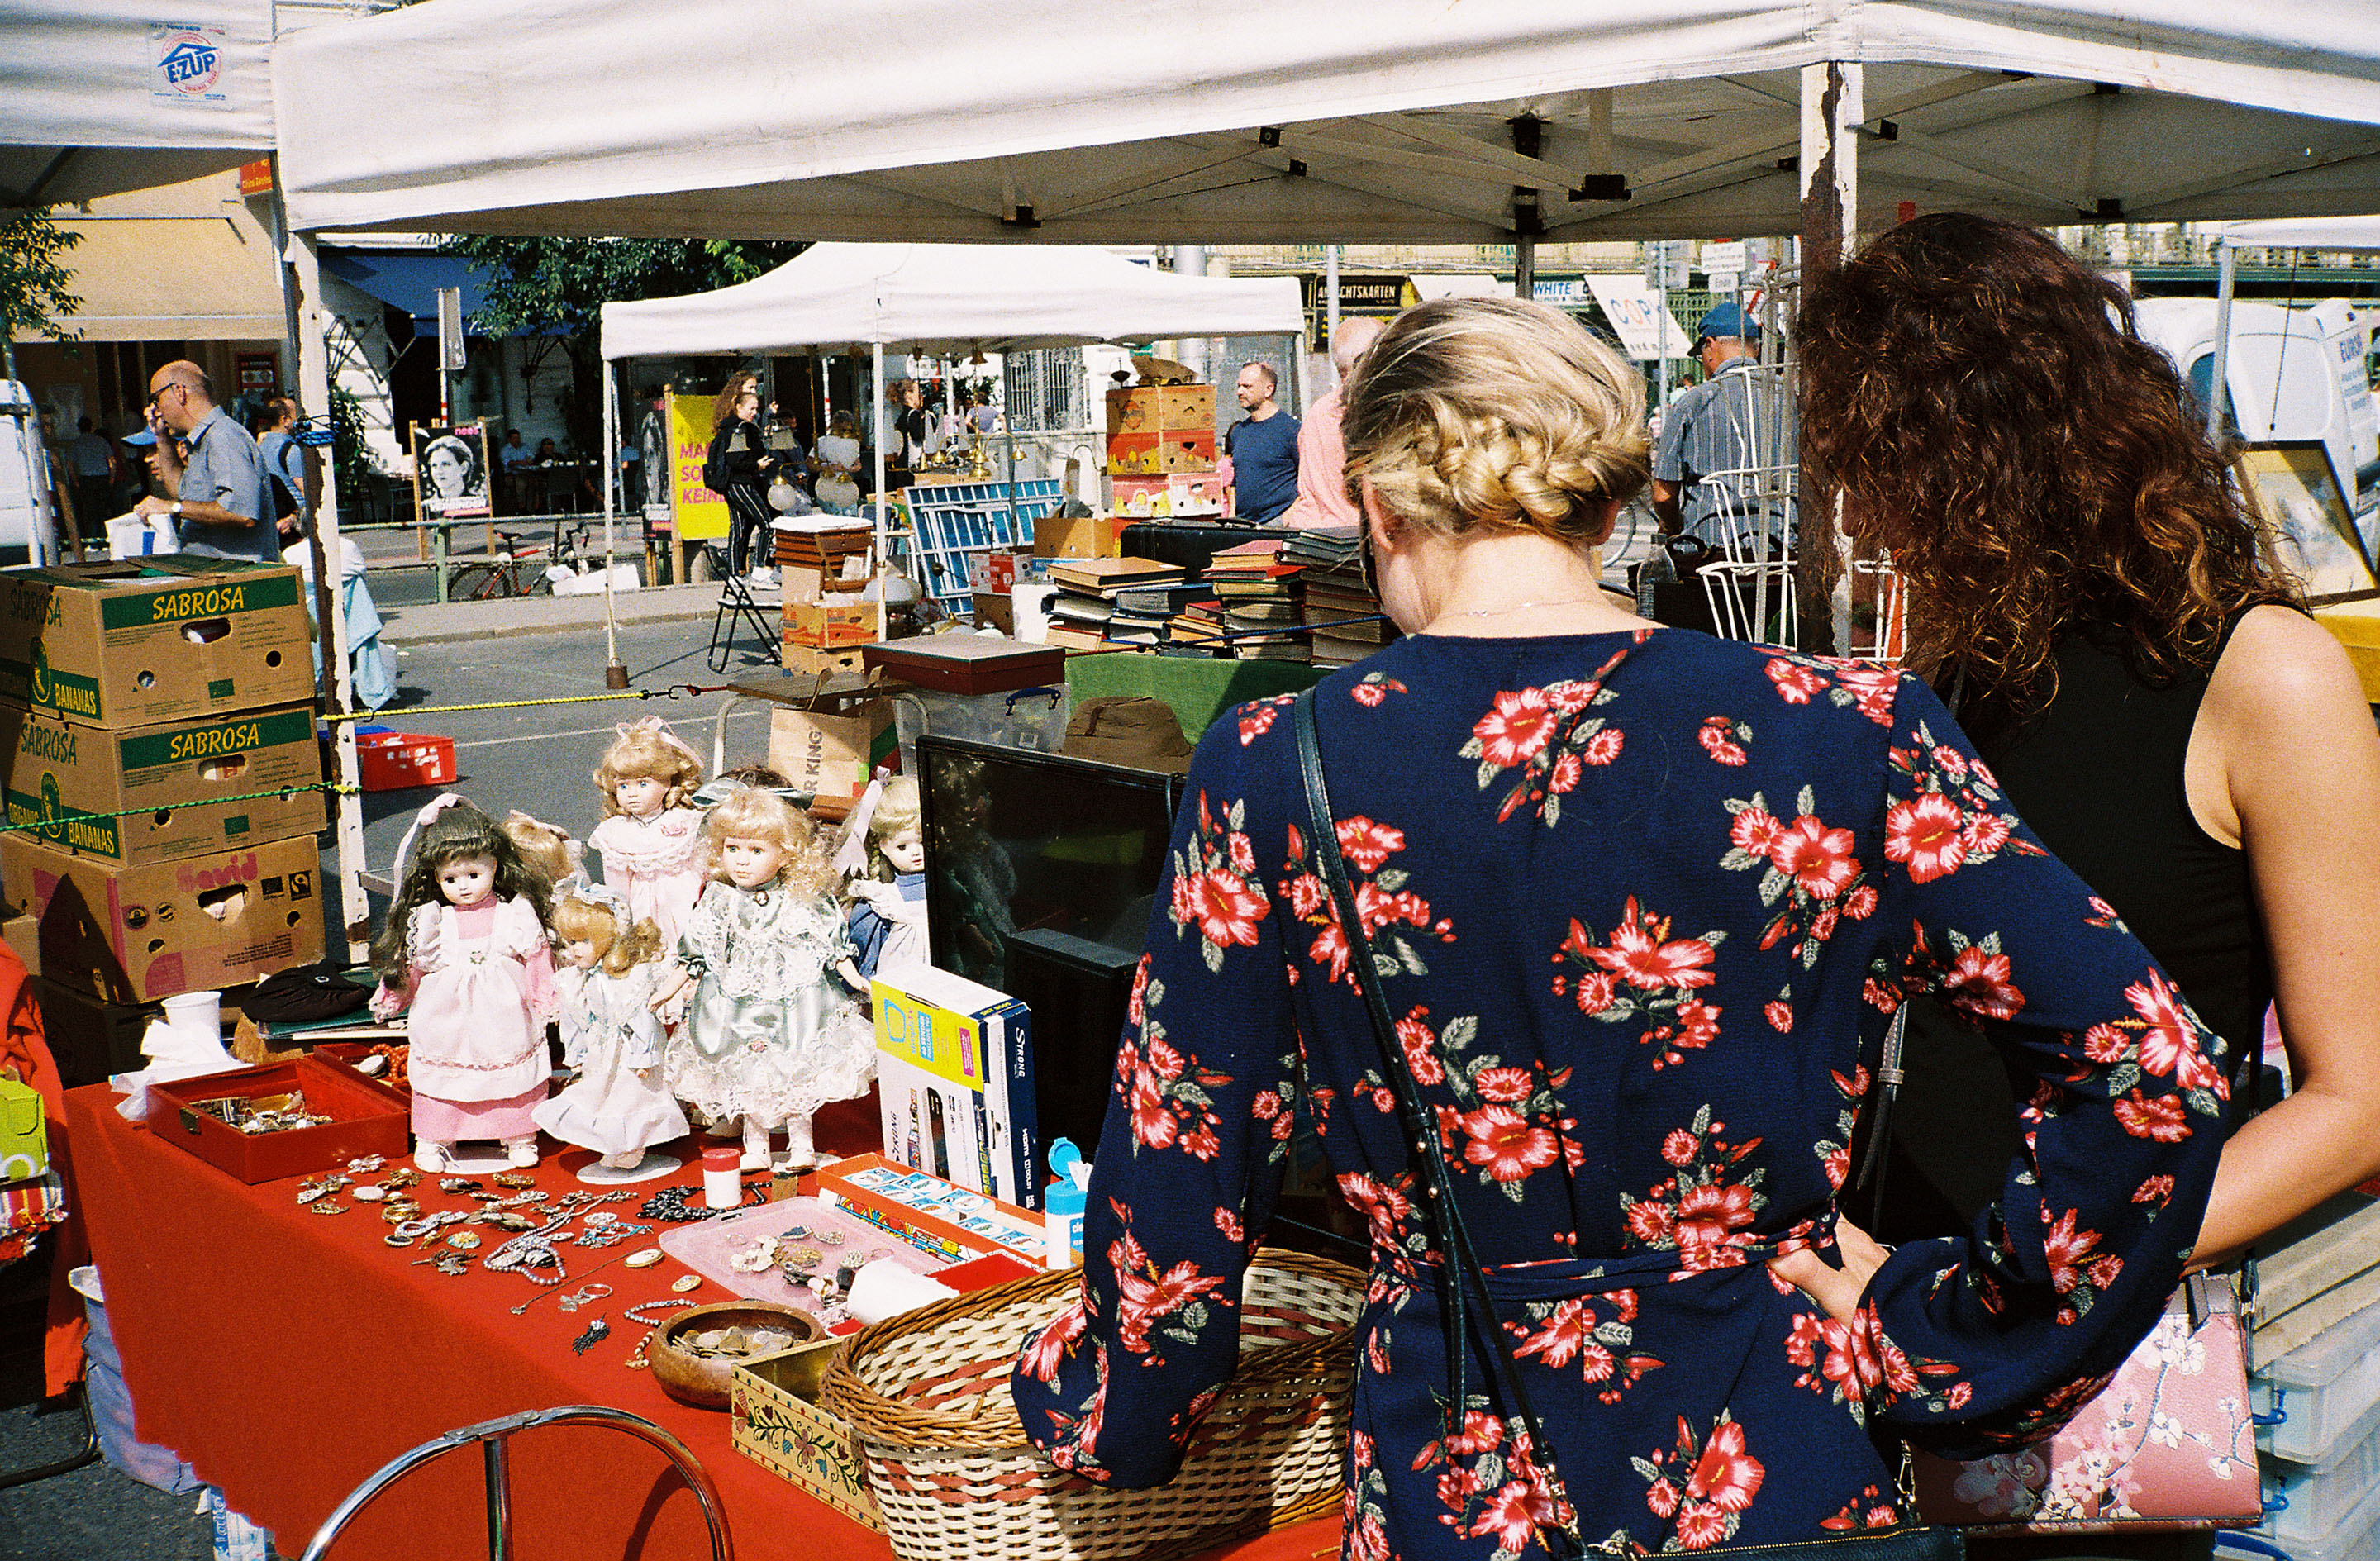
(927, 1394)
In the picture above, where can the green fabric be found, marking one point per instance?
(1197, 689)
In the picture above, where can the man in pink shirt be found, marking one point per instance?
(1321, 449)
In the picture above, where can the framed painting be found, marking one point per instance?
(2295, 494)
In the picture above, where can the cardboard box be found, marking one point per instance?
(941, 1219)
(136, 933)
(995, 609)
(1183, 450)
(811, 661)
(1090, 536)
(159, 779)
(1136, 455)
(1165, 498)
(793, 1438)
(1136, 410)
(175, 637)
(828, 628)
(24, 934)
(1183, 408)
(832, 750)
(91, 1040)
(364, 1121)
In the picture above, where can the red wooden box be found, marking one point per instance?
(391, 761)
(366, 1120)
(345, 1056)
(968, 663)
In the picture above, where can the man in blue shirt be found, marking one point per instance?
(1263, 447)
(1719, 470)
(218, 497)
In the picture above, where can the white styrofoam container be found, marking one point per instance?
(2328, 1386)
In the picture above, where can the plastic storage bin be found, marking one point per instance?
(2321, 1499)
(391, 761)
(1023, 718)
(2324, 1389)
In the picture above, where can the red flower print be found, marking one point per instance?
(2105, 1043)
(1229, 1224)
(1513, 1515)
(2157, 1189)
(1595, 990)
(1951, 761)
(1136, 1011)
(1256, 722)
(1381, 1205)
(1153, 1122)
(1836, 1163)
(1420, 1048)
(1602, 749)
(1566, 1333)
(1244, 856)
(2067, 1250)
(2169, 1044)
(1662, 1498)
(1978, 982)
(1651, 1223)
(1755, 830)
(1481, 1432)
(1505, 1143)
(1306, 895)
(1872, 690)
(1164, 1061)
(1142, 1301)
(1639, 956)
(1726, 1475)
(1678, 1147)
(1697, 1025)
(1226, 909)
(1859, 903)
(1203, 1144)
(2160, 1120)
(1983, 833)
(1816, 857)
(1701, 1526)
(1040, 1358)
(2105, 1270)
(1374, 689)
(1926, 836)
(1506, 1084)
(1519, 725)
(1330, 948)
(1708, 1216)
(1795, 684)
(1718, 739)
(1779, 1014)
(1366, 845)
(1266, 1105)
(1565, 774)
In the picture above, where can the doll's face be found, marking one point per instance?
(466, 880)
(579, 954)
(751, 861)
(640, 796)
(906, 849)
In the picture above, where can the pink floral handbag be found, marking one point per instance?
(2167, 1444)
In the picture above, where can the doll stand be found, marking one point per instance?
(478, 1159)
(655, 1164)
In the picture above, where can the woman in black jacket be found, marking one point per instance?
(736, 445)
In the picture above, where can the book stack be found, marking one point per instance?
(1342, 611)
(1260, 598)
(1089, 591)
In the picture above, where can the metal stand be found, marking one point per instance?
(492, 1436)
(83, 1456)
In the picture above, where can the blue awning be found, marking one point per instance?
(410, 279)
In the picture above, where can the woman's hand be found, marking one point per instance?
(1837, 1290)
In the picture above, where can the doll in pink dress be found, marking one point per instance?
(464, 955)
(651, 837)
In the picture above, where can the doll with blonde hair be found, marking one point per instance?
(464, 954)
(547, 849)
(886, 922)
(768, 1034)
(618, 1106)
(651, 835)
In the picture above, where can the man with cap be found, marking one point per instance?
(1737, 420)
(216, 494)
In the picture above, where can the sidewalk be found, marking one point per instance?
(432, 622)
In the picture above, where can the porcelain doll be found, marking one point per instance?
(618, 1105)
(886, 922)
(651, 837)
(547, 849)
(464, 953)
(769, 1034)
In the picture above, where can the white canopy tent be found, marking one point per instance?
(1260, 120)
(102, 96)
(2357, 233)
(942, 299)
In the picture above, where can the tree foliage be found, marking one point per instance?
(36, 286)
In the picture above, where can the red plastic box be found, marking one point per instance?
(365, 1119)
(391, 761)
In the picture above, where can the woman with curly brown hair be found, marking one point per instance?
(2144, 683)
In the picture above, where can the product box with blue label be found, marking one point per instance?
(954, 1076)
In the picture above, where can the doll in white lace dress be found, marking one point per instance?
(770, 1033)
(464, 954)
(651, 837)
(618, 1106)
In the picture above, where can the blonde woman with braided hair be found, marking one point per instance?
(1638, 905)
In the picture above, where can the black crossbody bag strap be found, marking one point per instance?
(1443, 1212)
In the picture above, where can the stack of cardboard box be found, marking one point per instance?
(168, 701)
(1161, 451)
(822, 574)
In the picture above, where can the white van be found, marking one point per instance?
(2293, 373)
(19, 505)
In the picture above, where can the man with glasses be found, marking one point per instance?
(216, 495)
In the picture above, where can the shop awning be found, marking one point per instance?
(166, 279)
(408, 279)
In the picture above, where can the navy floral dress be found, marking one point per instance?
(1643, 903)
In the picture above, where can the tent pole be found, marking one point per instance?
(615, 672)
(2218, 382)
(1525, 266)
(314, 390)
(1329, 293)
(883, 526)
(1832, 108)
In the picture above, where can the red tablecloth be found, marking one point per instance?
(287, 1355)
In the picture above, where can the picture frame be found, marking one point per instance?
(450, 473)
(2293, 491)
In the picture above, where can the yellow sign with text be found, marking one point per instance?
(699, 513)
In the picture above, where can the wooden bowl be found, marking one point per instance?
(701, 1381)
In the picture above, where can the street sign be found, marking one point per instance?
(1640, 318)
(1726, 281)
(1718, 258)
(1666, 262)
(1562, 292)
(451, 354)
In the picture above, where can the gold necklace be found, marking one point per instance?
(1517, 607)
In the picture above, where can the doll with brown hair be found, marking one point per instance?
(769, 1035)
(464, 954)
(886, 922)
(618, 1106)
(652, 834)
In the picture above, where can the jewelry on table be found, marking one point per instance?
(505, 1219)
(516, 1180)
(307, 1191)
(327, 1206)
(755, 1259)
(831, 1238)
(451, 1263)
(464, 1241)
(369, 1193)
(403, 1177)
(644, 1259)
(803, 1258)
(457, 1185)
(393, 1240)
(490, 1199)
(635, 1361)
(637, 1313)
(367, 1165)
(603, 1235)
(685, 1282)
(601, 1217)
(582, 1295)
(597, 1332)
(534, 1249)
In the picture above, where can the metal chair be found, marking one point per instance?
(492, 1436)
(85, 1453)
(736, 605)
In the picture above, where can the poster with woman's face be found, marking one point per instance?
(451, 472)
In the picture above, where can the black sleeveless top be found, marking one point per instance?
(2098, 776)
